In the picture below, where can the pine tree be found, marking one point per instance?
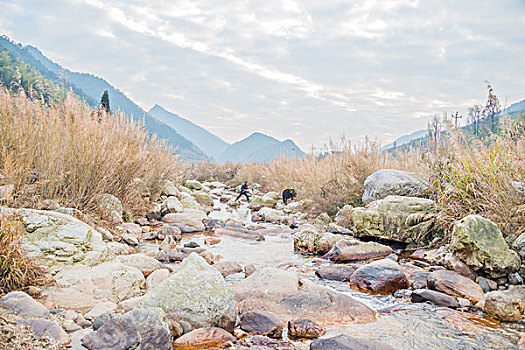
(104, 101)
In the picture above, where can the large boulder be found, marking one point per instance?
(171, 205)
(205, 338)
(379, 277)
(45, 328)
(480, 244)
(404, 219)
(23, 304)
(262, 323)
(387, 182)
(284, 294)
(192, 184)
(271, 215)
(312, 241)
(203, 198)
(346, 342)
(189, 217)
(335, 272)
(141, 328)
(56, 238)
(79, 287)
(454, 284)
(108, 201)
(167, 188)
(507, 305)
(353, 250)
(196, 294)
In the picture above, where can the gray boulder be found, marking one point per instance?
(171, 205)
(388, 182)
(480, 244)
(141, 329)
(403, 219)
(197, 294)
(44, 328)
(23, 304)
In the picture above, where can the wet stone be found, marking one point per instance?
(262, 323)
(305, 328)
(340, 273)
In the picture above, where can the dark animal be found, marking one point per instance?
(289, 193)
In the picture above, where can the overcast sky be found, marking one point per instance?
(308, 70)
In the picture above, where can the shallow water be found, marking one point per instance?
(400, 324)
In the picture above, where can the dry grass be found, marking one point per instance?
(73, 154)
(476, 176)
(16, 270)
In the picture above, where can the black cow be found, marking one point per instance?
(289, 193)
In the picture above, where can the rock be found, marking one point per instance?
(191, 244)
(141, 328)
(132, 228)
(44, 328)
(81, 321)
(419, 280)
(519, 246)
(169, 230)
(271, 215)
(436, 298)
(249, 270)
(56, 238)
(353, 250)
(189, 217)
(454, 264)
(105, 234)
(304, 328)
(480, 244)
(486, 284)
(80, 287)
(128, 304)
(379, 277)
(263, 201)
(110, 202)
(403, 219)
(227, 268)
(189, 202)
(49, 204)
(192, 184)
(168, 243)
(167, 188)
(130, 239)
(197, 294)
(240, 233)
(70, 326)
(507, 305)
(344, 216)
(100, 320)
(23, 304)
(515, 278)
(157, 277)
(322, 219)
(143, 263)
(295, 206)
(335, 272)
(284, 294)
(346, 342)
(314, 242)
(171, 205)
(99, 309)
(203, 198)
(212, 240)
(387, 182)
(205, 338)
(452, 283)
(262, 323)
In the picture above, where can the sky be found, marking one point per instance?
(307, 70)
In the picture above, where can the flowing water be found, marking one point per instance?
(401, 324)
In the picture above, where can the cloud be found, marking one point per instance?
(303, 69)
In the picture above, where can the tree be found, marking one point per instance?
(474, 115)
(492, 107)
(104, 101)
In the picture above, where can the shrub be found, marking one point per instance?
(16, 270)
(73, 154)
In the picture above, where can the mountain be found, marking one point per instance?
(516, 107)
(90, 88)
(205, 140)
(260, 148)
(406, 139)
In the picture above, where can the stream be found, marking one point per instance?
(400, 323)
